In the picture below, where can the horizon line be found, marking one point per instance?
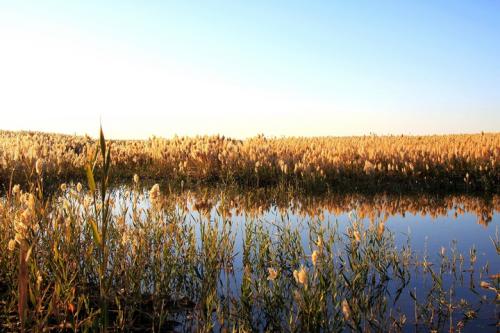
(173, 136)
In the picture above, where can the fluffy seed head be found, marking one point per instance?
(273, 274)
(314, 257)
(346, 310)
(12, 245)
(39, 166)
(300, 276)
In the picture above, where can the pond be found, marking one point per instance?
(454, 235)
(262, 259)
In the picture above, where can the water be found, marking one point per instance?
(431, 224)
(430, 221)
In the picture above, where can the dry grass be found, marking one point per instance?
(470, 162)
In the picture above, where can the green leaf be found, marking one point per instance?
(107, 162)
(103, 144)
(90, 178)
(32, 296)
(93, 160)
(95, 233)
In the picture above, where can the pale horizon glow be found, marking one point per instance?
(167, 70)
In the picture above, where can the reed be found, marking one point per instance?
(457, 162)
(87, 259)
(168, 271)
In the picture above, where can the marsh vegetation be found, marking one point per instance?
(376, 163)
(142, 257)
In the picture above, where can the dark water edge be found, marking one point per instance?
(382, 184)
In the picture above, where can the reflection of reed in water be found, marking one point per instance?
(373, 207)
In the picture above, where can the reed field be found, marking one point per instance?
(86, 257)
(446, 162)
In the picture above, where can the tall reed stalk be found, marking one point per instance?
(101, 223)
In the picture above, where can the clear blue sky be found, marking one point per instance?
(242, 68)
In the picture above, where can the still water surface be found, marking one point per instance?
(429, 223)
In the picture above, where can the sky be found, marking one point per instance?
(242, 68)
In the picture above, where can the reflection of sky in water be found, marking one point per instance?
(427, 235)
